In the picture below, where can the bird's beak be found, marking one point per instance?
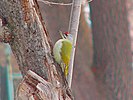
(65, 36)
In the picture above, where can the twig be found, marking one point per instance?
(61, 4)
(54, 3)
(90, 0)
(73, 29)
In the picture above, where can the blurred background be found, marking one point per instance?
(10, 75)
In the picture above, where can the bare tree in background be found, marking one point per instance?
(112, 49)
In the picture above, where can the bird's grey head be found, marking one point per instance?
(68, 36)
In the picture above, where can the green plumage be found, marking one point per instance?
(62, 53)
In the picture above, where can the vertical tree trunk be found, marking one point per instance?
(28, 45)
(112, 49)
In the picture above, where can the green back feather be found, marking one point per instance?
(66, 53)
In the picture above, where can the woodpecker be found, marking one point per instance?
(62, 51)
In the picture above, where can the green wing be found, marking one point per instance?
(66, 53)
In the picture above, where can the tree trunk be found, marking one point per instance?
(30, 43)
(112, 49)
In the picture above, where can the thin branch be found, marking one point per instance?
(61, 4)
(54, 3)
(73, 29)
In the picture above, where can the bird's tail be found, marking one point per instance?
(66, 71)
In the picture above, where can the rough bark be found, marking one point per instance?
(31, 44)
(36, 88)
(112, 49)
